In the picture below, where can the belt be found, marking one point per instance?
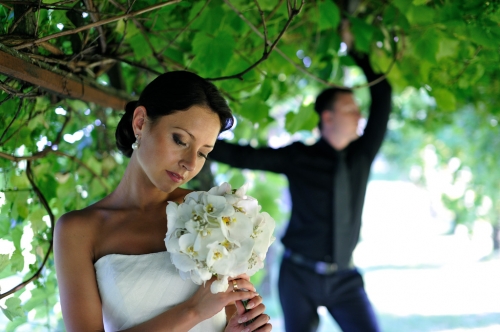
(319, 267)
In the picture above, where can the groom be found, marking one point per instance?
(327, 182)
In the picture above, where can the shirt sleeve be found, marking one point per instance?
(265, 159)
(380, 109)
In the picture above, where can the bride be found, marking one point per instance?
(112, 267)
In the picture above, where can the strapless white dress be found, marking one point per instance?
(136, 288)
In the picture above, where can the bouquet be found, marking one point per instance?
(218, 233)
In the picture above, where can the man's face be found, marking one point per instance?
(344, 117)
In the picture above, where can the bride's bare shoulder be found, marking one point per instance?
(79, 227)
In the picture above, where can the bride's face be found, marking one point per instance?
(174, 149)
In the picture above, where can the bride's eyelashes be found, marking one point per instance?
(179, 142)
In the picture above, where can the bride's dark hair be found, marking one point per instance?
(169, 93)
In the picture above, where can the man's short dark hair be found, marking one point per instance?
(326, 99)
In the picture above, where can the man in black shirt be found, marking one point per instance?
(328, 183)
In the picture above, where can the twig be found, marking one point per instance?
(16, 23)
(186, 27)
(263, 23)
(94, 15)
(275, 9)
(38, 18)
(13, 119)
(294, 12)
(45, 204)
(144, 32)
(95, 24)
(40, 154)
(78, 161)
(135, 64)
(17, 93)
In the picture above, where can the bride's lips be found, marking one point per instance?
(175, 177)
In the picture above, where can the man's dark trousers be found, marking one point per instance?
(301, 291)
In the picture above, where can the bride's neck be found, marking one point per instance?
(136, 190)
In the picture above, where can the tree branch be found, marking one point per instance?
(45, 204)
(265, 55)
(95, 24)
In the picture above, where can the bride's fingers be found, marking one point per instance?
(240, 285)
(240, 276)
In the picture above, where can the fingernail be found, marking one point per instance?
(246, 330)
(250, 305)
(242, 319)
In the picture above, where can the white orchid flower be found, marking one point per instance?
(200, 275)
(249, 206)
(219, 285)
(186, 245)
(204, 241)
(224, 188)
(219, 259)
(182, 262)
(236, 228)
(216, 206)
(172, 219)
(241, 256)
(263, 232)
(241, 191)
(255, 263)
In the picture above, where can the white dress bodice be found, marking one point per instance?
(136, 288)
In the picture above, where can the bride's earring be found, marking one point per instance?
(136, 144)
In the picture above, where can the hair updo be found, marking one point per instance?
(169, 93)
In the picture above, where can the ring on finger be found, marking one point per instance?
(235, 286)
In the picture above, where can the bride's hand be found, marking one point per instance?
(206, 304)
(256, 310)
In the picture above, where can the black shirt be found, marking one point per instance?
(313, 230)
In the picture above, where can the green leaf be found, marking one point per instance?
(254, 109)
(4, 261)
(212, 54)
(329, 15)
(13, 309)
(140, 47)
(445, 99)
(426, 47)
(16, 234)
(36, 218)
(17, 261)
(266, 89)
(305, 119)
(362, 33)
(447, 48)
(483, 37)
(420, 2)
